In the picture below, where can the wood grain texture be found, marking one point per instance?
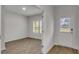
(33, 46)
(23, 46)
(62, 50)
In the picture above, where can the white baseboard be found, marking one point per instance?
(70, 46)
(47, 50)
(19, 38)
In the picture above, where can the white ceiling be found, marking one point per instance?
(30, 10)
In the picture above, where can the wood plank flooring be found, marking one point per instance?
(23, 46)
(62, 50)
(33, 46)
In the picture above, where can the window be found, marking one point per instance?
(37, 26)
(65, 24)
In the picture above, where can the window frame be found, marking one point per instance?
(37, 28)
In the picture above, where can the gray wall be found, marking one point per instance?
(15, 26)
(2, 29)
(77, 42)
(78, 27)
(30, 26)
(65, 39)
(48, 28)
(0, 20)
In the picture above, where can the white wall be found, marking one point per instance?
(30, 26)
(48, 28)
(15, 26)
(65, 39)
